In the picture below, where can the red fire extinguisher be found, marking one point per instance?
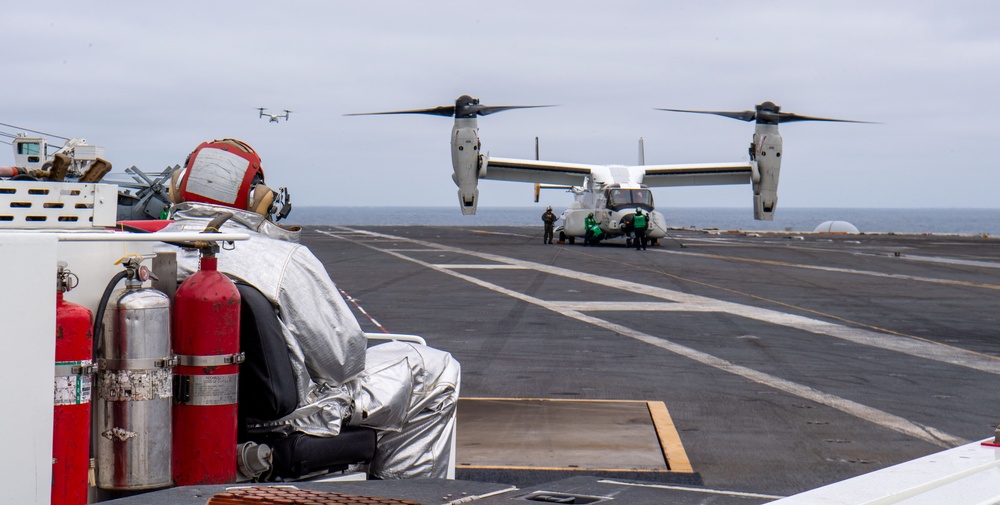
(206, 339)
(71, 421)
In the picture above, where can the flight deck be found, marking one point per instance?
(784, 361)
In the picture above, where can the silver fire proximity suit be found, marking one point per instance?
(408, 392)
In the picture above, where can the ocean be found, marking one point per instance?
(937, 221)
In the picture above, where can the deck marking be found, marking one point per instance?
(417, 250)
(883, 339)
(691, 489)
(673, 450)
(832, 316)
(629, 306)
(362, 310)
(869, 273)
(476, 497)
(482, 266)
(877, 253)
(488, 232)
(864, 412)
(668, 444)
(952, 261)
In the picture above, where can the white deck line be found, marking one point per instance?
(870, 414)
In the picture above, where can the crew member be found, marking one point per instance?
(407, 392)
(625, 225)
(549, 218)
(639, 224)
(592, 231)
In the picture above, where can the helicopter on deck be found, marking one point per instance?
(612, 193)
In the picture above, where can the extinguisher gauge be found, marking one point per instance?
(144, 273)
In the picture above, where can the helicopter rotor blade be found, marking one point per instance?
(746, 115)
(483, 110)
(444, 110)
(766, 113)
(789, 117)
(465, 107)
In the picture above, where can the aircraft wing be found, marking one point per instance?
(545, 172)
(698, 174)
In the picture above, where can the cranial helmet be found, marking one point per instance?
(549, 208)
(223, 172)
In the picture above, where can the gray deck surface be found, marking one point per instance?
(786, 361)
(536, 434)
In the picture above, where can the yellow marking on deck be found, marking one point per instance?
(670, 440)
(667, 447)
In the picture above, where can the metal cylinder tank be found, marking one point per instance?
(72, 391)
(132, 427)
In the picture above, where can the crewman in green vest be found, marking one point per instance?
(639, 223)
(592, 230)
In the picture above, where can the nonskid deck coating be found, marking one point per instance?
(516, 337)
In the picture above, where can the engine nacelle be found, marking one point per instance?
(656, 226)
(573, 220)
(465, 160)
(767, 154)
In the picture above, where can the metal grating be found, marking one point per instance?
(57, 205)
(289, 495)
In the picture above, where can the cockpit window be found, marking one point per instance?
(29, 148)
(642, 197)
(619, 198)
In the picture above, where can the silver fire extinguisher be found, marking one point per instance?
(134, 385)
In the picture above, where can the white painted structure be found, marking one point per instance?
(33, 239)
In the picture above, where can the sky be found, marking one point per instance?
(150, 81)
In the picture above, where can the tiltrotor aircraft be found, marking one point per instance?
(612, 193)
(273, 117)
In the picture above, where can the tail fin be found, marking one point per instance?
(642, 153)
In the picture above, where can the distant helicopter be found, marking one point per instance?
(273, 117)
(613, 193)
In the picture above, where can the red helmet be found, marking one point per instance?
(223, 172)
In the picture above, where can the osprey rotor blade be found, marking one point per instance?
(444, 110)
(766, 113)
(746, 115)
(465, 107)
(483, 110)
(788, 117)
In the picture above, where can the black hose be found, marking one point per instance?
(101, 307)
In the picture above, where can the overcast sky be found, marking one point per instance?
(150, 80)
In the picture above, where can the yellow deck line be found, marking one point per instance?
(579, 400)
(670, 441)
(561, 468)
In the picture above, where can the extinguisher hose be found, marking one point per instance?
(101, 307)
